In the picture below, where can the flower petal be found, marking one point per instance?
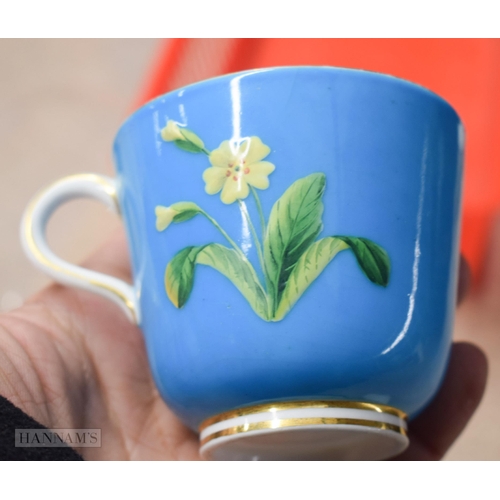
(164, 217)
(257, 176)
(222, 156)
(214, 178)
(253, 150)
(234, 190)
(171, 132)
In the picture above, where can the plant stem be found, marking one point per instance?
(243, 208)
(206, 151)
(261, 213)
(269, 288)
(228, 238)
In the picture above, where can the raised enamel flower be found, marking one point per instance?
(178, 212)
(164, 217)
(289, 253)
(171, 132)
(183, 137)
(235, 167)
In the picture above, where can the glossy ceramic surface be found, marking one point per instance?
(391, 155)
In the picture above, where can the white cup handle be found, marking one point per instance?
(35, 245)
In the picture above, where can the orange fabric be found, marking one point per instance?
(465, 72)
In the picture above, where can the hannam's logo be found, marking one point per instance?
(54, 438)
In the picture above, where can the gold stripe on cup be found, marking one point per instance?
(294, 405)
(298, 422)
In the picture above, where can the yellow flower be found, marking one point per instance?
(182, 137)
(171, 132)
(164, 217)
(235, 166)
(178, 212)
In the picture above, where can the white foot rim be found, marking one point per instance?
(318, 430)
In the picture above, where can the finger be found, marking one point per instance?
(112, 257)
(434, 431)
(464, 279)
(491, 275)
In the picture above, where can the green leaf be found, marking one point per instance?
(372, 259)
(179, 275)
(192, 142)
(294, 224)
(308, 268)
(238, 270)
(186, 210)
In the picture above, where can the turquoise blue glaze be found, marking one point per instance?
(392, 154)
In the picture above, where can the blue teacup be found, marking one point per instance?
(294, 243)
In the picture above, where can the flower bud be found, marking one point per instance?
(164, 217)
(171, 132)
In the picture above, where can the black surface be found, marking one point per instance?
(12, 418)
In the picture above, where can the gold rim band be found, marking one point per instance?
(293, 405)
(297, 422)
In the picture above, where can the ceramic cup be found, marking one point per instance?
(294, 243)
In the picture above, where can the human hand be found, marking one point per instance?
(434, 431)
(71, 359)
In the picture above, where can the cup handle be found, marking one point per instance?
(35, 245)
